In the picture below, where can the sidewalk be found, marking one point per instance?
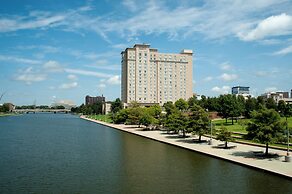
(243, 154)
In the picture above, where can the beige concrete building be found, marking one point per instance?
(150, 77)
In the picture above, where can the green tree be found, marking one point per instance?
(224, 135)
(147, 119)
(265, 127)
(236, 107)
(116, 105)
(121, 116)
(260, 102)
(281, 108)
(198, 121)
(181, 104)
(134, 115)
(96, 108)
(250, 105)
(192, 101)
(177, 122)
(155, 111)
(271, 104)
(224, 110)
(212, 104)
(169, 107)
(203, 102)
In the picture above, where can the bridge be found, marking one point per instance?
(37, 110)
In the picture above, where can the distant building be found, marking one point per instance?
(106, 108)
(90, 100)
(150, 77)
(241, 90)
(11, 107)
(277, 96)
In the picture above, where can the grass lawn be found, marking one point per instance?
(238, 127)
(104, 118)
(234, 128)
(241, 129)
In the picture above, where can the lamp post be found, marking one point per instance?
(287, 157)
(210, 140)
(287, 113)
(287, 137)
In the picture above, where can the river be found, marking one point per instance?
(61, 153)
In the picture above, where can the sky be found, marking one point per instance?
(55, 51)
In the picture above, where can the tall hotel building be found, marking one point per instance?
(150, 77)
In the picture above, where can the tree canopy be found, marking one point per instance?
(265, 126)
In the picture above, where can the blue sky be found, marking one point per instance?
(60, 51)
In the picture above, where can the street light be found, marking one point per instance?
(287, 113)
(210, 140)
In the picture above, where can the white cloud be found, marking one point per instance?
(228, 77)
(130, 4)
(19, 60)
(222, 90)
(209, 78)
(261, 73)
(88, 73)
(53, 66)
(120, 46)
(114, 80)
(101, 85)
(29, 76)
(65, 102)
(72, 77)
(271, 89)
(44, 48)
(103, 64)
(225, 66)
(68, 85)
(22, 23)
(212, 19)
(270, 42)
(275, 25)
(284, 51)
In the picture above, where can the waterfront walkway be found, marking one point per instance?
(247, 155)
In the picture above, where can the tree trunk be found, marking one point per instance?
(184, 133)
(225, 144)
(226, 120)
(267, 149)
(200, 138)
(232, 120)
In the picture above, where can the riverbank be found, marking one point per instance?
(246, 155)
(6, 114)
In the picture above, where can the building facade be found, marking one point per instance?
(90, 100)
(150, 77)
(277, 96)
(241, 90)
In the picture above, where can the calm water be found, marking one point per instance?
(60, 153)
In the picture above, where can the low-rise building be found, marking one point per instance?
(90, 100)
(277, 96)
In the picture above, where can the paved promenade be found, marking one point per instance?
(243, 154)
